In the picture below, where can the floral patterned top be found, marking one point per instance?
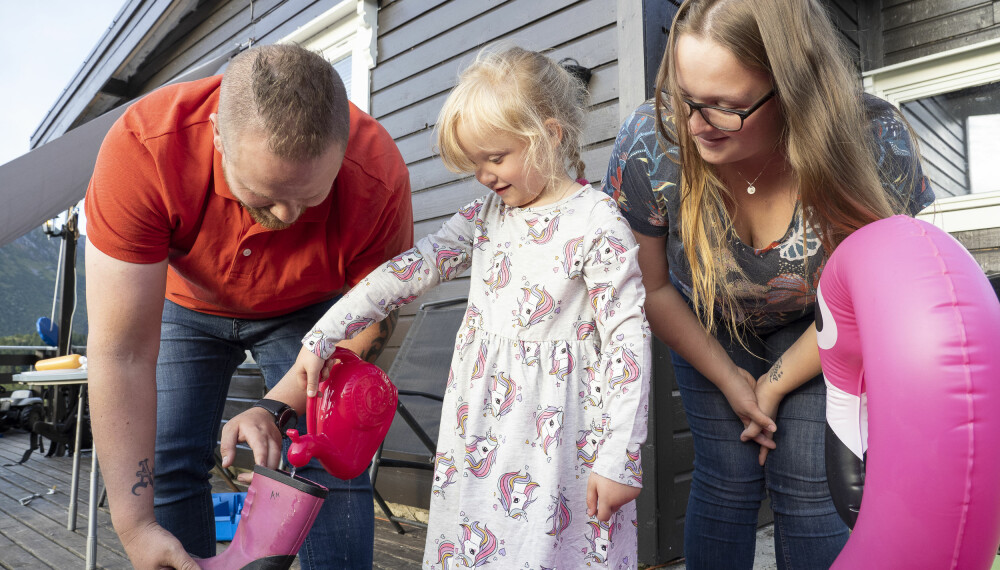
(778, 282)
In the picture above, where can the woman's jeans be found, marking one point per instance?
(728, 485)
(198, 355)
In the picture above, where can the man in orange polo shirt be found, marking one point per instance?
(226, 215)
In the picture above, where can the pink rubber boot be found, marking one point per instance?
(347, 419)
(277, 514)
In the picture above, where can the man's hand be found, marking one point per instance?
(151, 547)
(255, 427)
(605, 497)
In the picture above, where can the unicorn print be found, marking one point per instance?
(356, 325)
(588, 444)
(462, 418)
(498, 275)
(624, 367)
(317, 343)
(603, 298)
(503, 390)
(561, 516)
(634, 464)
(444, 472)
(549, 425)
(595, 388)
(516, 490)
(535, 304)
(405, 265)
(478, 544)
(530, 352)
(562, 360)
(480, 455)
(450, 262)
(572, 263)
(600, 540)
(542, 229)
(608, 249)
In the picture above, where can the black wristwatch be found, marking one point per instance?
(284, 416)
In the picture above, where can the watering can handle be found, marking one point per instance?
(342, 354)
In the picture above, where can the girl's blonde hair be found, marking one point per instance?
(826, 134)
(514, 91)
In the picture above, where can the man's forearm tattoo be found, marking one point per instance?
(775, 373)
(145, 476)
(385, 328)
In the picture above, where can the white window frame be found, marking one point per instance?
(350, 28)
(944, 72)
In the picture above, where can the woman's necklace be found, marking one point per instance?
(751, 189)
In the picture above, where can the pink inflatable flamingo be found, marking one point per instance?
(909, 337)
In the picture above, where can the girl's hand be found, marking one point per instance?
(739, 392)
(768, 399)
(605, 497)
(307, 369)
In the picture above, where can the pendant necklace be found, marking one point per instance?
(751, 189)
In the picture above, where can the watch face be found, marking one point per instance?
(288, 419)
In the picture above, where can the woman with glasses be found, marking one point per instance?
(758, 155)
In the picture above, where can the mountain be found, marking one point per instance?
(27, 283)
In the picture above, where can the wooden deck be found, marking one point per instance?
(35, 536)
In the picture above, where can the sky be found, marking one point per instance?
(44, 43)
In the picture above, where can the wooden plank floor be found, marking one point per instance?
(35, 536)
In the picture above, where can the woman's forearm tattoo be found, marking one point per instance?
(775, 373)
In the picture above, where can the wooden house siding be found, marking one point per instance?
(942, 143)
(902, 30)
(197, 32)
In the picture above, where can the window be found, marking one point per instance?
(345, 35)
(952, 100)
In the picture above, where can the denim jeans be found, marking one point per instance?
(728, 485)
(198, 355)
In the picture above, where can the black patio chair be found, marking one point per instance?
(420, 372)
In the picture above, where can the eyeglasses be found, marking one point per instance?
(724, 118)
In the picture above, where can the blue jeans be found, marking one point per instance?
(198, 355)
(728, 485)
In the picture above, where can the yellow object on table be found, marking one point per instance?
(68, 361)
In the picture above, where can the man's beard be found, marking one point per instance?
(266, 219)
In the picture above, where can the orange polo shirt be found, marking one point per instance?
(158, 193)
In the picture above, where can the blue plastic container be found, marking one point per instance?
(227, 514)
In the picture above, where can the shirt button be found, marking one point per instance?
(246, 252)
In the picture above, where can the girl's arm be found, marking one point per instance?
(615, 289)
(674, 323)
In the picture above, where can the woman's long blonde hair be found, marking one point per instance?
(826, 134)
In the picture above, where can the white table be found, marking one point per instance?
(64, 378)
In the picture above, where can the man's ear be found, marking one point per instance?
(216, 137)
(554, 129)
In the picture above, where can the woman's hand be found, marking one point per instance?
(255, 427)
(739, 392)
(605, 497)
(768, 398)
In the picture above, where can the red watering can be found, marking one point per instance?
(347, 419)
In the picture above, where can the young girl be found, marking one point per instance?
(546, 400)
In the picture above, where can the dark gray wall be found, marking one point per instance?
(901, 30)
